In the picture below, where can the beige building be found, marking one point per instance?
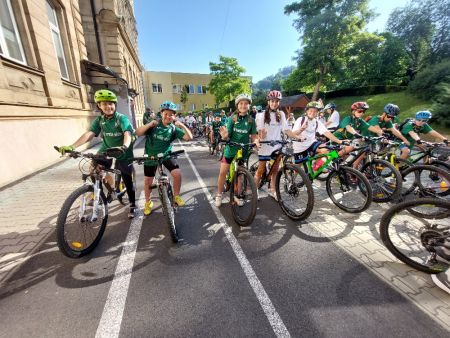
(53, 55)
(168, 86)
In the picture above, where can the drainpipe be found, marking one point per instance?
(97, 36)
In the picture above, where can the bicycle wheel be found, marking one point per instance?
(243, 197)
(79, 227)
(441, 164)
(219, 150)
(212, 147)
(169, 211)
(349, 190)
(426, 180)
(294, 192)
(386, 181)
(413, 239)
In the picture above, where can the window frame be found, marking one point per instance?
(191, 85)
(3, 44)
(158, 88)
(57, 30)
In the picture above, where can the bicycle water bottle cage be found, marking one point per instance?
(239, 154)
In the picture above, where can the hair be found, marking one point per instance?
(267, 115)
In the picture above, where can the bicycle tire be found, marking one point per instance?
(286, 186)
(250, 202)
(344, 173)
(169, 212)
(212, 147)
(441, 189)
(441, 164)
(426, 236)
(75, 247)
(383, 191)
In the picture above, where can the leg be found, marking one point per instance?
(148, 181)
(405, 153)
(176, 175)
(273, 177)
(260, 171)
(224, 167)
(128, 181)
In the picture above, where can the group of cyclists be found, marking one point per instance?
(272, 124)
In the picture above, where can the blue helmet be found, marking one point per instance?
(169, 106)
(391, 109)
(330, 105)
(423, 115)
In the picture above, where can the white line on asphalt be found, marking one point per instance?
(272, 315)
(115, 303)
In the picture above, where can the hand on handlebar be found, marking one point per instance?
(64, 149)
(115, 151)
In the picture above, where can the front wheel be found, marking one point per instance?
(426, 180)
(80, 225)
(294, 192)
(349, 190)
(416, 240)
(243, 197)
(169, 211)
(386, 181)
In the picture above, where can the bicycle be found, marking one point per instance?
(291, 183)
(416, 240)
(83, 216)
(239, 181)
(165, 191)
(347, 188)
(426, 181)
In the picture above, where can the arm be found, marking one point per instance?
(187, 133)
(435, 134)
(376, 130)
(399, 135)
(142, 130)
(127, 139)
(86, 137)
(333, 138)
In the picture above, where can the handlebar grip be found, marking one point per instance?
(177, 152)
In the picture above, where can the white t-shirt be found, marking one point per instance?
(334, 118)
(190, 120)
(309, 134)
(274, 131)
(290, 122)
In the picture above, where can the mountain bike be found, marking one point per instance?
(241, 185)
(165, 191)
(83, 216)
(416, 241)
(426, 181)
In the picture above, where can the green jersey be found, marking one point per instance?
(159, 140)
(357, 123)
(146, 118)
(411, 126)
(112, 131)
(216, 126)
(239, 132)
(223, 118)
(376, 121)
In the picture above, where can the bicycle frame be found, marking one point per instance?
(307, 163)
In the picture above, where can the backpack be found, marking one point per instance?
(368, 118)
(401, 125)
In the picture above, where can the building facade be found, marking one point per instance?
(49, 69)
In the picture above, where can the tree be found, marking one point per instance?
(184, 96)
(327, 27)
(227, 81)
(441, 106)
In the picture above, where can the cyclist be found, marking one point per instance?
(332, 116)
(290, 119)
(214, 128)
(159, 134)
(270, 126)
(411, 130)
(148, 115)
(239, 128)
(190, 120)
(223, 116)
(116, 131)
(253, 112)
(305, 129)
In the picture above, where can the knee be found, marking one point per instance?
(176, 173)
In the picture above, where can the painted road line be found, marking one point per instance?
(115, 303)
(272, 315)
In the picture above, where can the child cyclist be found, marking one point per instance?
(412, 129)
(116, 131)
(214, 127)
(160, 133)
(305, 129)
(239, 128)
(270, 126)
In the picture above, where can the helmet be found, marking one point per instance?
(217, 114)
(169, 106)
(241, 97)
(274, 95)
(360, 105)
(391, 109)
(222, 111)
(104, 95)
(330, 105)
(313, 104)
(423, 115)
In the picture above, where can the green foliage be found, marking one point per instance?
(425, 83)
(227, 81)
(184, 95)
(441, 105)
(273, 81)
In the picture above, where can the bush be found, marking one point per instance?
(363, 91)
(426, 81)
(441, 106)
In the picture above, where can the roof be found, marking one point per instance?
(294, 101)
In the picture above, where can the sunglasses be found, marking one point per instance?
(360, 111)
(423, 120)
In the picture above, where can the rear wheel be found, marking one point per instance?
(243, 197)
(294, 192)
(80, 226)
(169, 212)
(386, 181)
(426, 180)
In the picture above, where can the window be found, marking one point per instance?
(193, 106)
(57, 43)
(190, 89)
(201, 89)
(10, 44)
(156, 87)
(176, 89)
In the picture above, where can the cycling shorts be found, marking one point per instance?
(170, 164)
(311, 151)
(272, 156)
(125, 167)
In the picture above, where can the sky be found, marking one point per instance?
(184, 36)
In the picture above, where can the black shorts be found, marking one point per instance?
(170, 164)
(125, 167)
(311, 151)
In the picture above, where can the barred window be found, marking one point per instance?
(10, 43)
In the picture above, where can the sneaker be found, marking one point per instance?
(239, 201)
(442, 280)
(218, 200)
(273, 194)
(131, 212)
(179, 201)
(148, 208)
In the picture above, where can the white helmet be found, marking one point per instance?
(241, 97)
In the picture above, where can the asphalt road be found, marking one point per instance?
(260, 281)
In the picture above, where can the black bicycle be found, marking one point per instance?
(165, 191)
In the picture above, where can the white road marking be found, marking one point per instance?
(272, 315)
(115, 303)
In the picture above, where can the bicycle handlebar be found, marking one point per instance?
(160, 157)
(76, 154)
(236, 144)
